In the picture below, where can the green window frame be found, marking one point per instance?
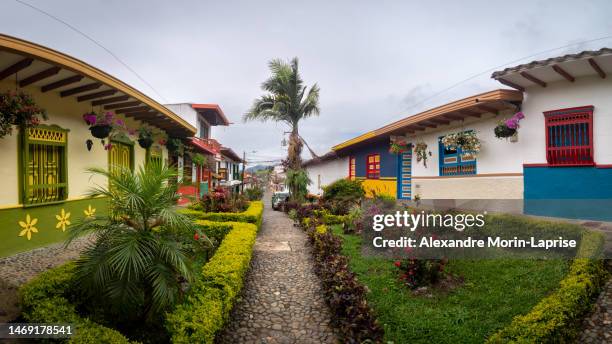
(154, 154)
(43, 164)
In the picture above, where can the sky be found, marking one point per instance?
(374, 61)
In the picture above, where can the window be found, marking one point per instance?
(352, 168)
(569, 136)
(44, 165)
(204, 129)
(373, 166)
(154, 154)
(455, 162)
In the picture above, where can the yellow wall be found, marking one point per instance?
(65, 112)
(380, 186)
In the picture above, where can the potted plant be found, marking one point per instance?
(175, 145)
(421, 153)
(508, 128)
(398, 145)
(198, 159)
(18, 108)
(466, 140)
(100, 125)
(145, 137)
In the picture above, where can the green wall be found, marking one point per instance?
(11, 242)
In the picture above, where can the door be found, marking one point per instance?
(404, 175)
(119, 155)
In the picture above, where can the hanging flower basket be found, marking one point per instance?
(100, 131)
(18, 108)
(508, 128)
(145, 137)
(145, 142)
(466, 140)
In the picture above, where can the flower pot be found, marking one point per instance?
(502, 131)
(145, 142)
(100, 131)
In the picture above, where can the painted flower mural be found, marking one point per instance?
(63, 220)
(28, 227)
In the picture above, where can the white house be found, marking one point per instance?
(324, 170)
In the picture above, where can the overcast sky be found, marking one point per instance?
(373, 60)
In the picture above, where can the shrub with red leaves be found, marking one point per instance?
(415, 273)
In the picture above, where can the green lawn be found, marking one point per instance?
(494, 291)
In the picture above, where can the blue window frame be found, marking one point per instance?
(454, 161)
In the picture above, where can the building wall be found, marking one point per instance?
(66, 113)
(325, 173)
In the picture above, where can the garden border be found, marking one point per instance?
(253, 214)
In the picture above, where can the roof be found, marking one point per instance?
(212, 112)
(566, 67)
(54, 71)
(204, 145)
(325, 157)
(474, 106)
(228, 152)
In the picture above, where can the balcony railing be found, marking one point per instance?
(209, 144)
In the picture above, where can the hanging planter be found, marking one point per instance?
(100, 131)
(466, 140)
(399, 145)
(175, 145)
(508, 128)
(421, 153)
(145, 137)
(18, 108)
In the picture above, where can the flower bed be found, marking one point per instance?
(212, 297)
(557, 317)
(253, 214)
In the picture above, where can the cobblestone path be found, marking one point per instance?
(597, 328)
(17, 269)
(282, 301)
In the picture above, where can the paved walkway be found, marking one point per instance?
(282, 300)
(17, 269)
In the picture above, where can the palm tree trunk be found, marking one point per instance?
(295, 150)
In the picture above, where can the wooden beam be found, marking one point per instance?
(141, 114)
(39, 76)
(132, 109)
(110, 100)
(488, 108)
(533, 79)
(61, 83)
(563, 73)
(511, 84)
(429, 125)
(598, 69)
(23, 64)
(439, 121)
(100, 94)
(81, 89)
(471, 113)
(453, 117)
(122, 105)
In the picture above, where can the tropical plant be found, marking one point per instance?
(298, 181)
(199, 159)
(18, 108)
(287, 100)
(175, 145)
(255, 193)
(137, 262)
(398, 145)
(341, 195)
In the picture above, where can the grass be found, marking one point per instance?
(493, 292)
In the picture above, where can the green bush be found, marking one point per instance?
(42, 301)
(213, 295)
(341, 195)
(557, 318)
(214, 230)
(254, 194)
(253, 214)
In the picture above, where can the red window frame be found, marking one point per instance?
(373, 166)
(569, 136)
(352, 168)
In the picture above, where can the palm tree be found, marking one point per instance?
(136, 261)
(288, 101)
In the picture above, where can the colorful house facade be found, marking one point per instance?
(44, 179)
(557, 163)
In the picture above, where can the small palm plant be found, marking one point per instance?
(137, 261)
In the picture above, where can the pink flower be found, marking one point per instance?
(90, 118)
(120, 122)
(397, 263)
(108, 146)
(196, 237)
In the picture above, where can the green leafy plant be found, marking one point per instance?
(254, 194)
(341, 195)
(421, 152)
(466, 140)
(136, 264)
(18, 108)
(199, 159)
(297, 181)
(175, 145)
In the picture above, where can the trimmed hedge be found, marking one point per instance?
(210, 300)
(253, 214)
(557, 318)
(42, 301)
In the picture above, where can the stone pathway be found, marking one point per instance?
(282, 301)
(17, 269)
(597, 328)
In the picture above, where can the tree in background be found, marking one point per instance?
(287, 100)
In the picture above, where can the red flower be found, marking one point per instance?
(196, 237)
(397, 263)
